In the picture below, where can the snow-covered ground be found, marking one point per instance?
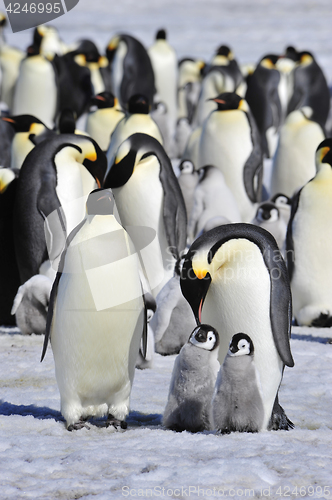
(38, 457)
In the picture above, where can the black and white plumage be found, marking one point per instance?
(96, 317)
(234, 278)
(308, 245)
(237, 402)
(192, 383)
(230, 141)
(147, 193)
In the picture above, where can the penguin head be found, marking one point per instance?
(138, 103)
(305, 58)
(205, 337)
(324, 154)
(269, 61)
(267, 212)
(291, 53)
(66, 121)
(28, 124)
(224, 50)
(223, 56)
(161, 34)
(241, 345)
(186, 167)
(88, 50)
(103, 100)
(229, 101)
(281, 199)
(100, 202)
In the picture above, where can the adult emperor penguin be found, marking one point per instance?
(137, 120)
(131, 69)
(294, 161)
(230, 141)
(95, 327)
(147, 193)
(10, 60)
(235, 279)
(29, 131)
(10, 279)
(192, 384)
(310, 88)
(189, 86)
(237, 402)
(165, 67)
(308, 245)
(105, 113)
(222, 75)
(264, 101)
(36, 91)
(59, 172)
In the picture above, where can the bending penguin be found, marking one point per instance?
(237, 402)
(59, 172)
(147, 193)
(234, 278)
(192, 384)
(95, 327)
(308, 245)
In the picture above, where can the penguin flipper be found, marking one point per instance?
(289, 235)
(253, 168)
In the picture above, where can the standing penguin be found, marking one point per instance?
(294, 161)
(165, 68)
(308, 242)
(59, 172)
(192, 384)
(188, 180)
(96, 318)
(230, 141)
(147, 193)
(36, 91)
(105, 113)
(235, 279)
(264, 101)
(310, 88)
(137, 120)
(131, 69)
(237, 402)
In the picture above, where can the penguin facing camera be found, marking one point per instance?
(31, 303)
(192, 384)
(237, 402)
(95, 327)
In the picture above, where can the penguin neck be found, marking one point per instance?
(324, 174)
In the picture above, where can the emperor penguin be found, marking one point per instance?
(10, 60)
(310, 88)
(237, 402)
(49, 42)
(137, 120)
(165, 67)
(189, 405)
(87, 55)
(104, 115)
(36, 90)
(147, 193)
(7, 134)
(230, 141)
(188, 180)
(131, 69)
(235, 278)
(96, 318)
(212, 198)
(29, 131)
(31, 303)
(10, 279)
(308, 245)
(273, 215)
(54, 182)
(294, 160)
(189, 86)
(222, 75)
(263, 98)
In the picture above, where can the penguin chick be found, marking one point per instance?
(192, 383)
(31, 304)
(237, 403)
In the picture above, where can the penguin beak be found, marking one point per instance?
(199, 272)
(218, 101)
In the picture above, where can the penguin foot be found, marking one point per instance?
(279, 420)
(324, 320)
(111, 420)
(79, 425)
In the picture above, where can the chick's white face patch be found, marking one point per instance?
(243, 348)
(209, 342)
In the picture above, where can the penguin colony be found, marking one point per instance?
(158, 202)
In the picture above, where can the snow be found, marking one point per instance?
(39, 458)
